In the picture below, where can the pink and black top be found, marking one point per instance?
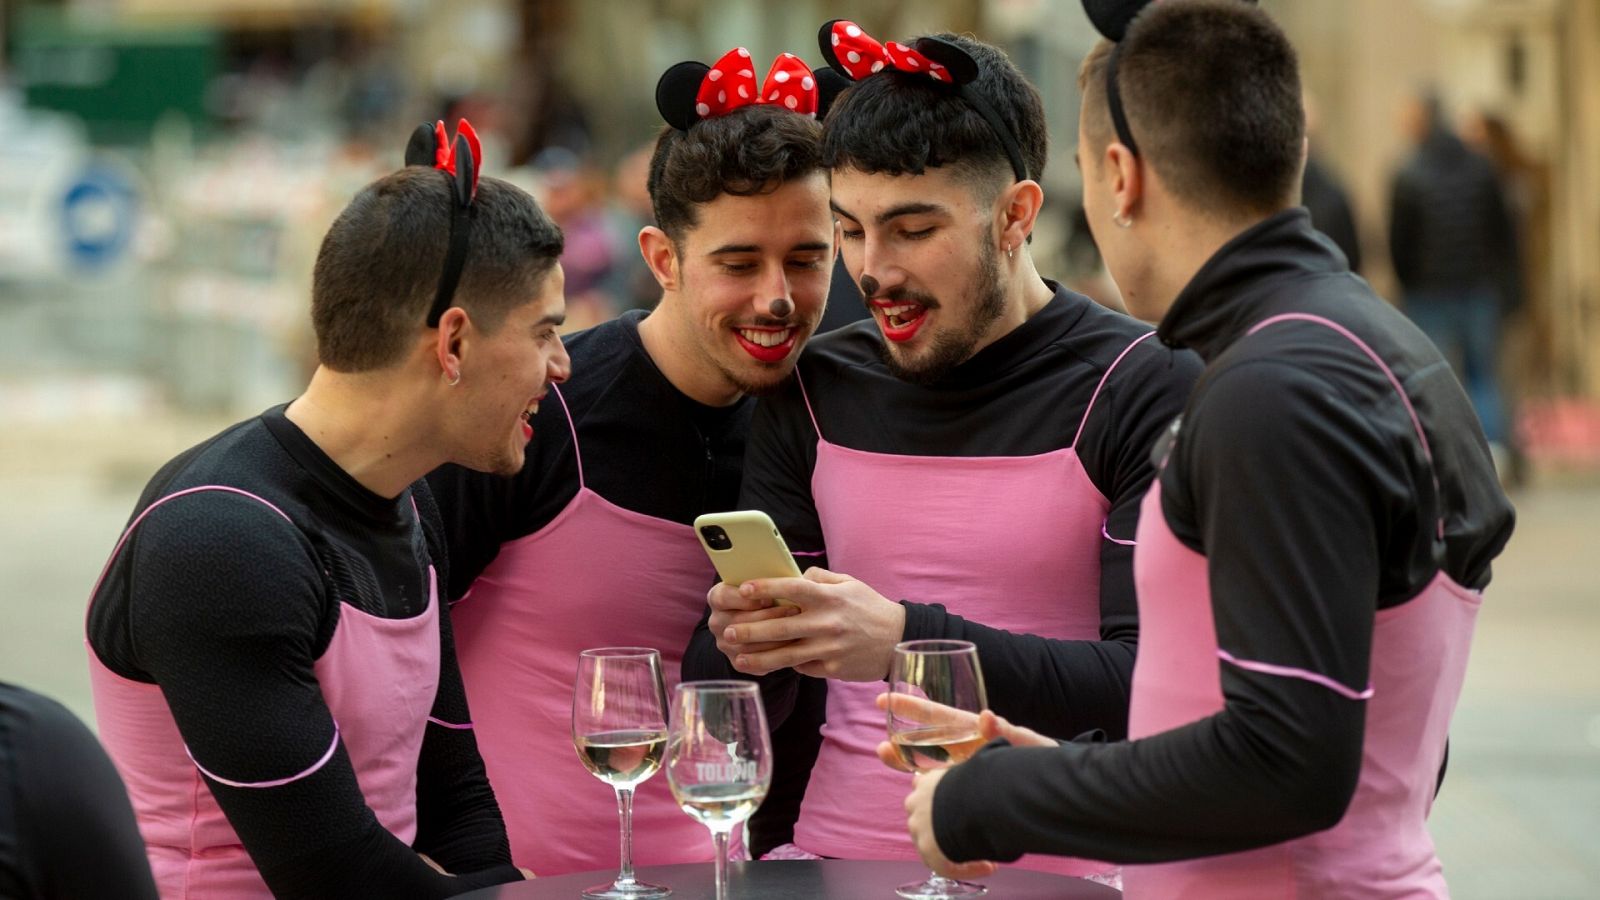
(590, 545)
(1309, 568)
(998, 504)
(276, 682)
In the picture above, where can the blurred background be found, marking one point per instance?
(167, 169)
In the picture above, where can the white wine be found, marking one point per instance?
(935, 746)
(719, 806)
(622, 758)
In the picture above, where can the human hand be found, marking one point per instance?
(919, 822)
(527, 874)
(730, 608)
(988, 725)
(841, 628)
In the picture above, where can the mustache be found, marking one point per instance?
(901, 294)
(770, 322)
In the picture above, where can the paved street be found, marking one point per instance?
(1519, 816)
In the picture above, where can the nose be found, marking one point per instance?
(560, 364)
(775, 289)
(877, 268)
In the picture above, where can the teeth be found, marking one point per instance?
(766, 338)
(901, 310)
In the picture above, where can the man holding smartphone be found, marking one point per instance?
(591, 544)
(978, 451)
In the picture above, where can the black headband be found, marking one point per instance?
(431, 146)
(1113, 18)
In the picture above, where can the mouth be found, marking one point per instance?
(899, 320)
(765, 343)
(526, 417)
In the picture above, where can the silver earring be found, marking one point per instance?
(1122, 221)
(1011, 252)
(454, 378)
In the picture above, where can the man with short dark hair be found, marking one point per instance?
(273, 670)
(977, 450)
(1310, 559)
(590, 544)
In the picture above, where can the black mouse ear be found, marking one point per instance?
(830, 84)
(962, 67)
(676, 92)
(423, 148)
(825, 43)
(465, 180)
(1111, 17)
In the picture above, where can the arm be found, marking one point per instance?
(1287, 501)
(458, 822)
(226, 614)
(67, 806)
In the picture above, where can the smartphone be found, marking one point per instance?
(745, 545)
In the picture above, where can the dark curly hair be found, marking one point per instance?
(379, 264)
(901, 123)
(752, 150)
(1211, 89)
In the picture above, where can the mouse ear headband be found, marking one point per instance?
(856, 55)
(461, 159)
(690, 92)
(1112, 18)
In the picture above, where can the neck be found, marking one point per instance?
(370, 425)
(1186, 241)
(1025, 294)
(663, 334)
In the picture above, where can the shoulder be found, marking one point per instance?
(1112, 341)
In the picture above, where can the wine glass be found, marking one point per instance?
(719, 759)
(619, 726)
(935, 694)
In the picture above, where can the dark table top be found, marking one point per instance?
(830, 879)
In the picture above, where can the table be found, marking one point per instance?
(829, 879)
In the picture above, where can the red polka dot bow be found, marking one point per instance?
(691, 91)
(731, 83)
(860, 55)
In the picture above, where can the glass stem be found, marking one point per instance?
(625, 812)
(720, 839)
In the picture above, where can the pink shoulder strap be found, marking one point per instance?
(806, 399)
(1103, 379)
(567, 411)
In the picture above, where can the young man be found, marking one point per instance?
(590, 545)
(1310, 560)
(273, 672)
(978, 450)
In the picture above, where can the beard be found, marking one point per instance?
(954, 345)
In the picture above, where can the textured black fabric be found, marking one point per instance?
(645, 446)
(227, 607)
(1298, 474)
(66, 829)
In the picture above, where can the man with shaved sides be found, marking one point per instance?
(966, 465)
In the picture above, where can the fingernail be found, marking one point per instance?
(746, 589)
(728, 634)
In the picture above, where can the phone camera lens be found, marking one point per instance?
(716, 537)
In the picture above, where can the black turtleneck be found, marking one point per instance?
(227, 607)
(1297, 473)
(1023, 395)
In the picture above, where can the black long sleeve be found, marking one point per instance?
(66, 829)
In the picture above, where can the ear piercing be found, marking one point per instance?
(451, 378)
(1122, 221)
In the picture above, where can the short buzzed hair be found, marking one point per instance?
(379, 266)
(1211, 90)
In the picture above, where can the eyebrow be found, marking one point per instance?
(752, 248)
(557, 319)
(916, 208)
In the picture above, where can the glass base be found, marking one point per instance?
(940, 888)
(626, 890)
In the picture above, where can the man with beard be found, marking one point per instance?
(977, 451)
(1312, 555)
(591, 544)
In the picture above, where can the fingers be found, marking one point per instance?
(823, 576)
(890, 758)
(968, 870)
(527, 874)
(767, 629)
(991, 726)
(763, 592)
(729, 598)
(921, 710)
(785, 656)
